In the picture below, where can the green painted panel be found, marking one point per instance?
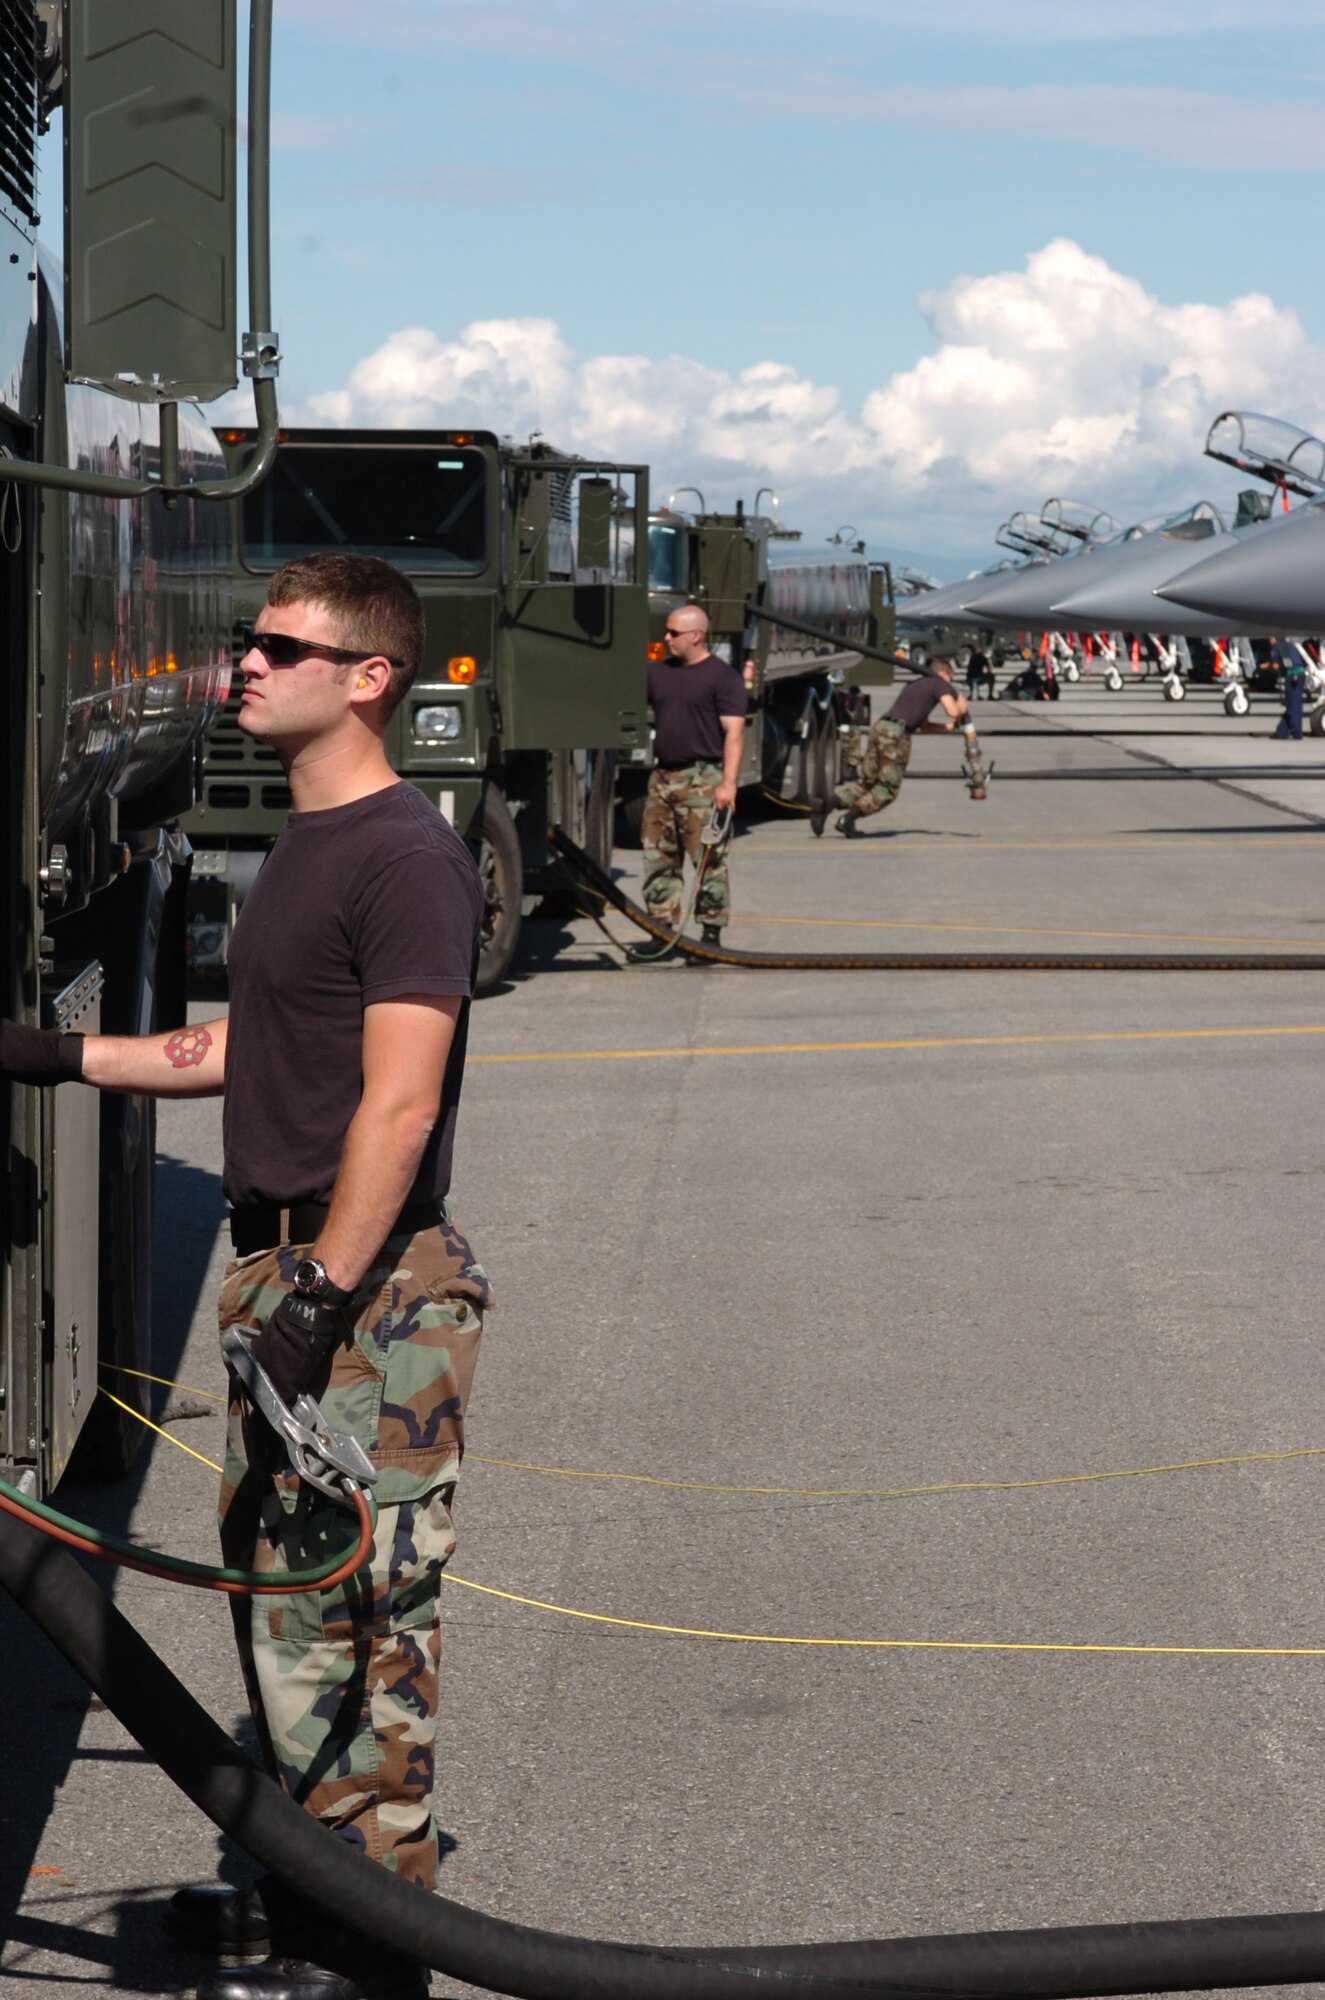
(150, 219)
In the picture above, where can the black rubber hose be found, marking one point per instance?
(595, 882)
(139, 1689)
(770, 617)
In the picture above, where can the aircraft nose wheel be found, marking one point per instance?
(1113, 681)
(1174, 689)
(1236, 701)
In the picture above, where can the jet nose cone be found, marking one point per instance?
(1276, 580)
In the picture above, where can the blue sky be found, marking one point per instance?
(797, 241)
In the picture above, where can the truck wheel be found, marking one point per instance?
(630, 820)
(110, 1439)
(1236, 701)
(495, 846)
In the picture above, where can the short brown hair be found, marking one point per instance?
(374, 604)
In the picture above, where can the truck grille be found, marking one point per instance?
(18, 108)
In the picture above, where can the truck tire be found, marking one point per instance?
(630, 820)
(495, 846)
(110, 1438)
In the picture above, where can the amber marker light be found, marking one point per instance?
(461, 669)
(657, 650)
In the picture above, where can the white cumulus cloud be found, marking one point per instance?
(1065, 377)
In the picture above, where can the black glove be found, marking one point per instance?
(39, 1055)
(297, 1339)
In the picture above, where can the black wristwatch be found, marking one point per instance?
(311, 1282)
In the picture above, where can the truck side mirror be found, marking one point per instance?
(149, 141)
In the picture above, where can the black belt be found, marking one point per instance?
(259, 1227)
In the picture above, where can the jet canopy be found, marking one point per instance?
(1270, 449)
(1029, 535)
(1079, 521)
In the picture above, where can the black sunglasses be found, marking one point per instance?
(283, 649)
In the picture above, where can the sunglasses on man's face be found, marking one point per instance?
(285, 649)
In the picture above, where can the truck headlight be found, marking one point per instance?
(441, 724)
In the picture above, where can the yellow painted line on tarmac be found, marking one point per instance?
(1026, 930)
(900, 1042)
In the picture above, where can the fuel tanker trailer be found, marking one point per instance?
(796, 626)
(114, 583)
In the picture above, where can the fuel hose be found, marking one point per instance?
(199, 1576)
(1200, 1954)
(595, 884)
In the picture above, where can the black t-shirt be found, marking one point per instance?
(917, 698)
(687, 702)
(355, 904)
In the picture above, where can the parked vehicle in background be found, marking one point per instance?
(533, 683)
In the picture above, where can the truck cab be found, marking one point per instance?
(533, 681)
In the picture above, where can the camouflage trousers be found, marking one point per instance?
(676, 812)
(343, 1683)
(880, 769)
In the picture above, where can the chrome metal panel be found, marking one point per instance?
(72, 1176)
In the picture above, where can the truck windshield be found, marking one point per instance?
(423, 509)
(666, 557)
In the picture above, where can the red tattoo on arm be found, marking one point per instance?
(187, 1048)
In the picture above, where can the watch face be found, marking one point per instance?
(309, 1276)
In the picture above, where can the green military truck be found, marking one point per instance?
(792, 624)
(533, 684)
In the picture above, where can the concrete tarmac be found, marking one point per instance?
(765, 1244)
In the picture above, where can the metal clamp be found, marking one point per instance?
(718, 827)
(261, 356)
(333, 1461)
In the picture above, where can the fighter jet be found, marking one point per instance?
(1120, 592)
(1272, 579)
(944, 605)
(1065, 533)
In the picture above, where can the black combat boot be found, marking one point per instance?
(228, 1923)
(710, 934)
(376, 1975)
(819, 812)
(847, 824)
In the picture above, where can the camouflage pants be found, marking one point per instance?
(880, 769)
(676, 812)
(343, 1683)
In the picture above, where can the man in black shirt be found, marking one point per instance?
(699, 705)
(340, 1064)
(882, 763)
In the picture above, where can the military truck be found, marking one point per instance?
(791, 624)
(114, 574)
(533, 683)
